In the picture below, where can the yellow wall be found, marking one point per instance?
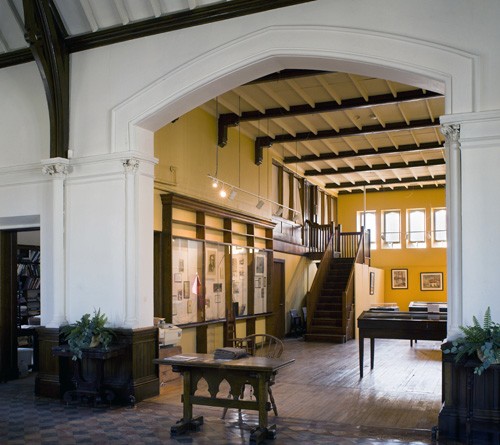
(189, 146)
(415, 260)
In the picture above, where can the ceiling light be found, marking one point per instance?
(232, 195)
(215, 183)
(222, 193)
(279, 211)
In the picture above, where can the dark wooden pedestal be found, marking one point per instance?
(94, 388)
(132, 373)
(471, 403)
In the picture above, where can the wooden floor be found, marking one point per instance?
(403, 391)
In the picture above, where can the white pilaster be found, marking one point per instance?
(131, 224)
(454, 224)
(53, 254)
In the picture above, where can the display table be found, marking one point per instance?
(258, 372)
(422, 306)
(398, 325)
(93, 388)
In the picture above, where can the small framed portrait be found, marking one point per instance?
(177, 277)
(181, 265)
(372, 283)
(217, 288)
(179, 294)
(431, 281)
(189, 306)
(211, 262)
(399, 278)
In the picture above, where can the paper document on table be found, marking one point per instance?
(181, 358)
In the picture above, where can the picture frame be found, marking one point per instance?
(372, 283)
(431, 281)
(189, 306)
(211, 262)
(260, 265)
(181, 265)
(177, 277)
(217, 287)
(185, 289)
(399, 279)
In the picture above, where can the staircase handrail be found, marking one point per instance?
(318, 235)
(362, 257)
(324, 267)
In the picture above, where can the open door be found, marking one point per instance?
(8, 305)
(278, 300)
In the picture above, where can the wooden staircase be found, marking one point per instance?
(326, 320)
(330, 301)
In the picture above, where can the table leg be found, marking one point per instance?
(361, 355)
(372, 352)
(263, 432)
(187, 423)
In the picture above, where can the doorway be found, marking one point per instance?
(19, 302)
(278, 299)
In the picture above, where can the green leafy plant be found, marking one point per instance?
(481, 340)
(88, 332)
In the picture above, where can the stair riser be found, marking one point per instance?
(325, 338)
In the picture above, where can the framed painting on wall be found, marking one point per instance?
(399, 278)
(372, 283)
(431, 281)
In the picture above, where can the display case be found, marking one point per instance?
(215, 285)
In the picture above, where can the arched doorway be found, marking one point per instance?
(275, 48)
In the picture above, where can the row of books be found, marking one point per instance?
(30, 255)
(28, 283)
(28, 269)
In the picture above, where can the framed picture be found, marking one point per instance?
(185, 289)
(177, 277)
(431, 281)
(260, 265)
(372, 283)
(211, 262)
(174, 309)
(217, 287)
(179, 294)
(189, 306)
(399, 278)
(181, 265)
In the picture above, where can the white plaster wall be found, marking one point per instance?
(24, 121)
(103, 78)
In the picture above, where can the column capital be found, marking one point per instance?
(57, 167)
(451, 132)
(130, 165)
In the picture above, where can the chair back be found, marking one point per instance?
(262, 345)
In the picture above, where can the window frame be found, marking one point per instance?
(373, 235)
(439, 244)
(410, 244)
(383, 234)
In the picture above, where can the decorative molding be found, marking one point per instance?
(451, 132)
(131, 165)
(57, 167)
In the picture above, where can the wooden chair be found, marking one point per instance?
(260, 345)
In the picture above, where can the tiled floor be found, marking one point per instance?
(26, 419)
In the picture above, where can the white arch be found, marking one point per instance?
(410, 61)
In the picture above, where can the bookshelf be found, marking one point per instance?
(28, 283)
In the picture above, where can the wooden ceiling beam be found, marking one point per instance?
(347, 104)
(390, 188)
(351, 131)
(362, 168)
(387, 182)
(46, 42)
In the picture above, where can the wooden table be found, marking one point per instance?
(258, 372)
(398, 325)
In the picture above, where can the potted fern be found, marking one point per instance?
(481, 340)
(88, 332)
